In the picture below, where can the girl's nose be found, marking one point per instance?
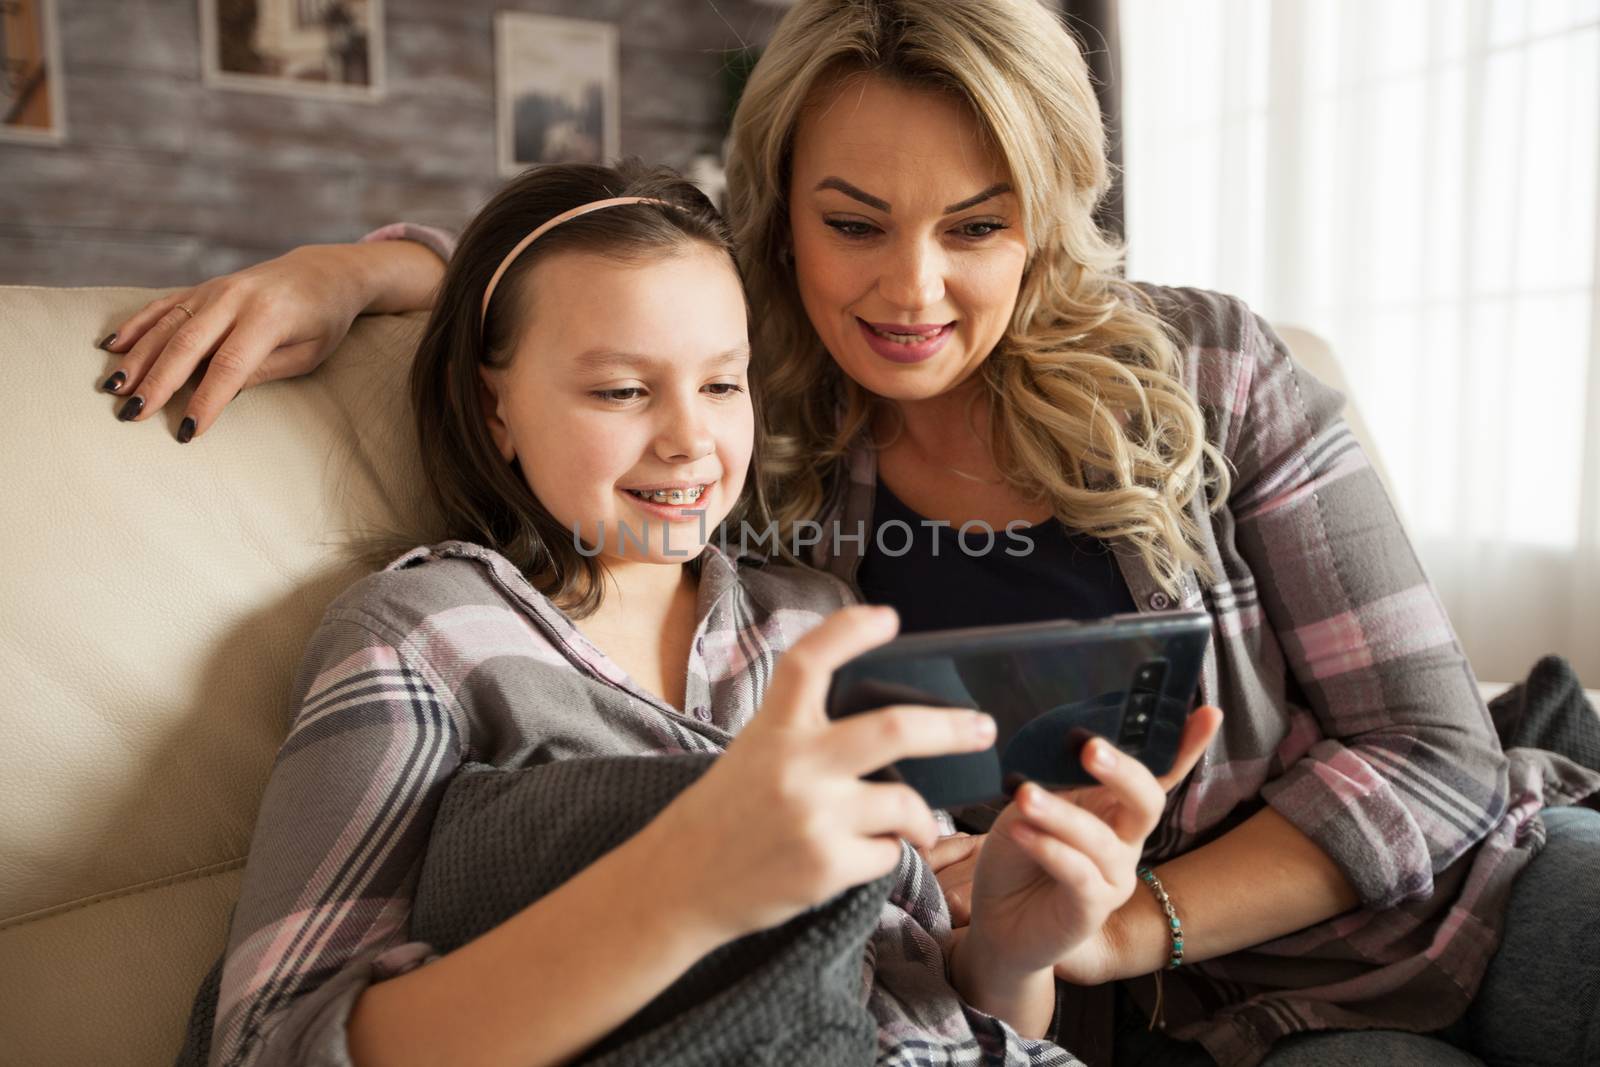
(684, 435)
(913, 276)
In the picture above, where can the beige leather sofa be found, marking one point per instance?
(156, 600)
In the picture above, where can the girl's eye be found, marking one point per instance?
(850, 227)
(979, 230)
(725, 388)
(618, 396)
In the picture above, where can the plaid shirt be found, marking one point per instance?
(449, 655)
(1349, 708)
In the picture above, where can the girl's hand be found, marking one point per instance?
(783, 821)
(277, 319)
(1055, 867)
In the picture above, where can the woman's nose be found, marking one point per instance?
(913, 276)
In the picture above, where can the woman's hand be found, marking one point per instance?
(1056, 867)
(274, 320)
(783, 821)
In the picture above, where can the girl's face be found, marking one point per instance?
(627, 400)
(908, 243)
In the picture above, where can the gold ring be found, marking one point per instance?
(184, 309)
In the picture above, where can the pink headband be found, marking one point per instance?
(517, 250)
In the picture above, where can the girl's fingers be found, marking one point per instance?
(1081, 830)
(885, 809)
(1140, 798)
(233, 366)
(956, 881)
(128, 332)
(1198, 730)
(799, 687)
(872, 740)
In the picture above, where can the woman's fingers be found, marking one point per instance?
(872, 740)
(956, 881)
(166, 355)
(1076, 827)
(1140, 798)
(128, 332)
(234, 365)
(1198, 730)
(1068, 865)
(951, 849)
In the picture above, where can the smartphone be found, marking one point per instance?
(1050, 686)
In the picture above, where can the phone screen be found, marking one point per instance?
(1049, 686)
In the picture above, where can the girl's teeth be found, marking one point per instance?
(672, 496)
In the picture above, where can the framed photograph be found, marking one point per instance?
(556, 90)
(30, 79)
(328, 48)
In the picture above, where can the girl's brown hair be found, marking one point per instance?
(482, 498)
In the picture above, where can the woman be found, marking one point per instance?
(943, 340)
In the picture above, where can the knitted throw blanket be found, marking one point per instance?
(789, 995)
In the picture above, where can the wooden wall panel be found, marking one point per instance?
(164, 181)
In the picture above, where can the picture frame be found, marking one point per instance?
(323, 48)
(32, 107)
(557, 89)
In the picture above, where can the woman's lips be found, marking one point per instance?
(901, 352)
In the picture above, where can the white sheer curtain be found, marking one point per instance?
(1416, 181)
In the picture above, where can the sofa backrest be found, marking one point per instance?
(156, 599)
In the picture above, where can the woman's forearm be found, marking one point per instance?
(393, 275)
(1261, 880)
(547, 983)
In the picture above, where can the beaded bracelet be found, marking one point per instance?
(1149, 878)
(1158, 1016)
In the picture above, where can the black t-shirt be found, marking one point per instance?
(940, 578)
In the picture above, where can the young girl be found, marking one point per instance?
(585, 370)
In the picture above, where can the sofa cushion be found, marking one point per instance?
(157, 597)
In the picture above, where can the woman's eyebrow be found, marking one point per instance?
(997, 189)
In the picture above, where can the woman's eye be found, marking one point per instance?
(850, 227)
(618, 396)
(725, 388)
(980, 229)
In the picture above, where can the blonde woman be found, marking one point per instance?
(948, 351)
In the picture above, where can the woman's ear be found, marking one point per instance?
(491, 381)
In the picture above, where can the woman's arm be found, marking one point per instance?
(278, 319)
(1407, 774)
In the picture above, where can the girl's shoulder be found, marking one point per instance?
(425, 583)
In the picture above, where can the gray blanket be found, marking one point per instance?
(790, 995)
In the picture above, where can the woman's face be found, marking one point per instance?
(908, 243)
(627, 399)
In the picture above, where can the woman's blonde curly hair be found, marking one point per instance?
(1088, 406)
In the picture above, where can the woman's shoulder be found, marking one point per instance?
(1203, 319)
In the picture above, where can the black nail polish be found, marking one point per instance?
(131, 409)
(115, 382)
(185, 430)
(111, 339)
